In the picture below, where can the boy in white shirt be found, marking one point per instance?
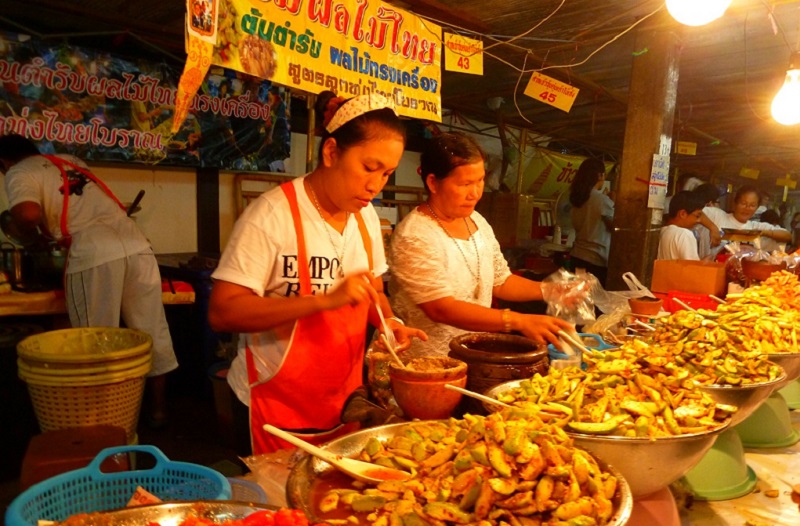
(677, 238)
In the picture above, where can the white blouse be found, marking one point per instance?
(426, 264)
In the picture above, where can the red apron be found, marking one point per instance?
(322, 366)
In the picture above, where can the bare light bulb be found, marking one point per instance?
(786, 104)
(697, 13)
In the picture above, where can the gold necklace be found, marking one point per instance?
(339, 254)
(475, 275)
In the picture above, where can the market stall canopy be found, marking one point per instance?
(730, 70)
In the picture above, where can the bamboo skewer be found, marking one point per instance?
(684, 305)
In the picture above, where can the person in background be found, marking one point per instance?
(764, 200)
(592, 217)
(677, 239)
(745, 203)
(111, 271)
(704, 229)
(446, 264)
(300, 277)
(771, 216)
(795, 229)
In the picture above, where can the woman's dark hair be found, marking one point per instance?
(743, 191)
(14, 148)
(586, 177)
(356, 130)
(708, 192)
(447, 151)
(770, 216)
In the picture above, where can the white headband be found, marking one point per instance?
(358, 106)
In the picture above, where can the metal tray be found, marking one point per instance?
(305, 472)
(172, 513)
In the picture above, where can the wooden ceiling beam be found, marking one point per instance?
(443, 14)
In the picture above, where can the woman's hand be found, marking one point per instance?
(404, 334)
(541, 329)
(353, 290)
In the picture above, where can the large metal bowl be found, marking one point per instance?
(791, 365)
(746, 398)
(647, 464)
(167, 513)
(308, 469)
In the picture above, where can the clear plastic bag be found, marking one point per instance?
(569, 297)
(611, 301)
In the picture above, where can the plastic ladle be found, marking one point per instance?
(359, 470)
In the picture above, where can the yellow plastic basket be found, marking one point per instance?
(85, 344)
(77, 370)
(62, 406)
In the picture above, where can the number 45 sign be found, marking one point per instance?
(551, 91)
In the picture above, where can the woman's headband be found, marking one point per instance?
(358, 106)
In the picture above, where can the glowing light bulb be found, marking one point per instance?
(786, 104)
(697, 13)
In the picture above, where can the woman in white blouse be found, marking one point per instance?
(745, 203)
(446, 263)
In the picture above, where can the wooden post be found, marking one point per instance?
(312, 124)
(648, 131)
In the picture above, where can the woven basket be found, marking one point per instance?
(62, 406)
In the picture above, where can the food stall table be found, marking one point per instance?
(776, 469)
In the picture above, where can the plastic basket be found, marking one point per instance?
(89, 490)
(601, 345)
(247, 491)
(695, 301)
(85, 344)
(60, 406)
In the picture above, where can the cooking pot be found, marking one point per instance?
(33, 270)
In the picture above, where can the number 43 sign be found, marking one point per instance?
(462, 54)
(551, 91)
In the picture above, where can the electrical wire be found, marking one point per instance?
(529, 31)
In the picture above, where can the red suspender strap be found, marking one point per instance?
(362, 227)
(302, 256)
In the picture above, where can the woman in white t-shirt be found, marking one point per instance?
(300, 277)
(446, 263)
(592, 217)
(745, 203)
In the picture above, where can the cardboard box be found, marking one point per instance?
(697, 277)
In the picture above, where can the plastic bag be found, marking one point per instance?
(568, 296)
(271, 471)
(609, 301)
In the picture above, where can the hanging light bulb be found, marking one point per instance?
(786, 104)
(697, 12)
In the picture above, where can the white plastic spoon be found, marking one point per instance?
(477, 396)
(359, 470)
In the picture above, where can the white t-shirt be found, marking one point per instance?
(101, 231)
(426, 265)
(677, 243)
(726, 220)
(262, 255)
(592, 237)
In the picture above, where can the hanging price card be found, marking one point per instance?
(463, 54)
(551, 91)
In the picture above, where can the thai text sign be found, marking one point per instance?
(551, 91)
(351, 47)
(549, 173)
(659, 178)
(462, 54)
(102, 107)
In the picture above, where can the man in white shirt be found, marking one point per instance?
(677, 238)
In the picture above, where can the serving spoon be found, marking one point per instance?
(476, 396)
(358, 469)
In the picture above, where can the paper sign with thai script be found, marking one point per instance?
(787, 181)
(687, 148)
(463, 54)
(201, 19)
(659, 178)
(351, 47)
(551, 91)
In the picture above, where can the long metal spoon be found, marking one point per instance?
(359, 470)
(477, 396)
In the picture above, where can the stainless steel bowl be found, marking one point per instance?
(746, 398)
(791, 365)
(308, 469)
(647, 464)
(175, 512)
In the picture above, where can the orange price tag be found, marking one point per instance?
(551, 91)
(462, 54)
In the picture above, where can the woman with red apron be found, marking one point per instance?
(303, 345)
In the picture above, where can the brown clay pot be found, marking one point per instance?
(496, 358)
(759, 270)
(645, 306)
(419, 388)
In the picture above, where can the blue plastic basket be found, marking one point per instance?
(89, 489)
(247, 491)
(555, 354)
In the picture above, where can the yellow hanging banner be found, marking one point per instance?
(687, 148)
(551, 91)
(749, 173)
(348, 47)
(462, 54)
